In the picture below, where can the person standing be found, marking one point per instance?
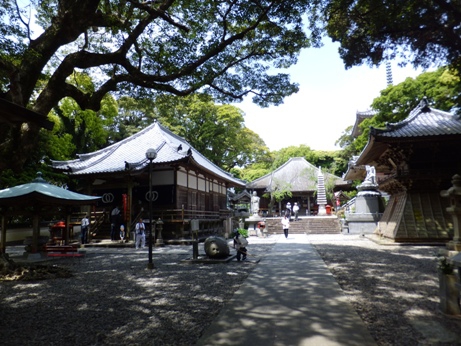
(84, 229)
(296, 211)
(114, 221)
(285, 225)
(140, 234)
(288, 210)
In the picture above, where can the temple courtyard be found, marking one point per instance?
(305, 290)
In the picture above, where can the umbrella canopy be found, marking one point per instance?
(39, 191)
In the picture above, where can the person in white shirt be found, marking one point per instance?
(140, 234)
(286, 225)
(84, 229)
(295, 211)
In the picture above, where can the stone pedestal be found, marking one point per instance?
(449, 294)
(251, 224)
(322, 211)
(366, 216)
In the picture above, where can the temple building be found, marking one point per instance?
(415, 160)
(185, 185)
(300, 177)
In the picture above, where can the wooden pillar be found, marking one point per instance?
(3, 236)
(67, 232)
(130, 207)
(35, 231)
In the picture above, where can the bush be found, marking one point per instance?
(243, 232)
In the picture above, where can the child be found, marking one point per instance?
(122, 233)
(240, 244)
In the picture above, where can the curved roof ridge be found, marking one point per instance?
(114, 146)
(422, 107)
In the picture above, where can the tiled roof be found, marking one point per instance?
(300, 174)
(423, 121)
(359, 117)
(131, 153)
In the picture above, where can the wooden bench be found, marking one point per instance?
(62, 251)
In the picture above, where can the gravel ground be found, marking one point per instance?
(112, 299)
(394, 289)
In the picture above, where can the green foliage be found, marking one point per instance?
(418, 31)
(396, 102)
(250, 174)
(243, 232)
(227, 50)
(216, 131)
(280, 191)
(80, 131)
(445, 266)
(283, 155)
(440, 87)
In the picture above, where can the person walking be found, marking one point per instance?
(286, 225)
(296, 211)
(140, 234)
(84, 229)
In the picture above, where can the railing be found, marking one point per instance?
(98, 220)
(181, 215)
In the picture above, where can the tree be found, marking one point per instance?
(280, 191)
(216, 131)
(396, 102)
(80, 131)
(225, 49)
(423, 32)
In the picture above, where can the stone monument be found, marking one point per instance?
(216, 247)
(254, 205)
(368, 207)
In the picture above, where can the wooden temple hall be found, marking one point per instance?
(185, 185)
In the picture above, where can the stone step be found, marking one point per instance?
(309, 225)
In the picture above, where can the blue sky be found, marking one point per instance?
(326, 103)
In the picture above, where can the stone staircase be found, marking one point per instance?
(308, 225)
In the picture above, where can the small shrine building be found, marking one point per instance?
(298, 176)
(415, 160)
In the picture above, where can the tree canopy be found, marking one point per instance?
(144, 49)
(216, 131)
(440, 87)
(423, 32)
(330, 161)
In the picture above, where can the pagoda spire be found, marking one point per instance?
(321, 194)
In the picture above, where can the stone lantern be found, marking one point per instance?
(454, 194)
